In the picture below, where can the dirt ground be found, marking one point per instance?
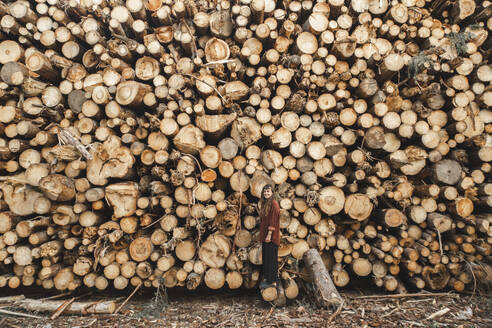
(244, 308)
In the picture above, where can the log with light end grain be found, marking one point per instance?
(394, 218)
(123, 198)
(189, 139)
(215, 125)
(131, 93)
(214, 278)
(269, 294)
(447, 171)
(57, 187)
(358, 206)
(215, 250)
(331, 200)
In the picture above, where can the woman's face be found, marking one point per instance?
(267, 193)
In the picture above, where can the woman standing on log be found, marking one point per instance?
(269, 236)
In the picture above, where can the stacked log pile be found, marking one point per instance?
(136, 136)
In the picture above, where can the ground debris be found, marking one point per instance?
(245, 309)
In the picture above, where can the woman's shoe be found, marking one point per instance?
(264, 284)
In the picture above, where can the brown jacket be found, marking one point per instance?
(271, 222)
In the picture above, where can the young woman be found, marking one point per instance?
(269, 211)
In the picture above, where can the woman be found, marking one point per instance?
(269, 236)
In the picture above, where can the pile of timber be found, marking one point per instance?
(136, 136)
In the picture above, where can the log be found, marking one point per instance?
(123, 198)
(14, 73)
(447, 171)
(131, 93)
(140, 249)
(331, 200)
(326, 294)
(269, 294)
(189, 139)
(57, 187)
(215, 124)
(73, 308)
(358, 206)
(215, 250)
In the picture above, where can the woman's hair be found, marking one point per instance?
(266, 204)
(267, 186)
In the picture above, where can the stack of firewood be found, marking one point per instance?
(136, 136)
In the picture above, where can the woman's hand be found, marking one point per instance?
(268, 237)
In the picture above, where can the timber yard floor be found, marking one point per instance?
(244, 308)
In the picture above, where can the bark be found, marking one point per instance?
(73, 308)
(326, 294)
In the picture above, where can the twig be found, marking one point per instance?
(54, 297)
(128, 298)
(414, 323)
(125, 39)
(196, 160)
(406, 295)
(438, 314)
(440, 241)
(270, 312)
(390, 313)
(190, 200)
(222, 61)
(20, 314)
(195, 49)
(473, 294)
(474, 279)
(238, 227)
(66, 137)
(62, 308)
(296, 272)
(333, 316)
(90, 323)
(156, 221)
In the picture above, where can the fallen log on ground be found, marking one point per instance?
(325, 292)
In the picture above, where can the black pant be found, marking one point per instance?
(269, 255)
